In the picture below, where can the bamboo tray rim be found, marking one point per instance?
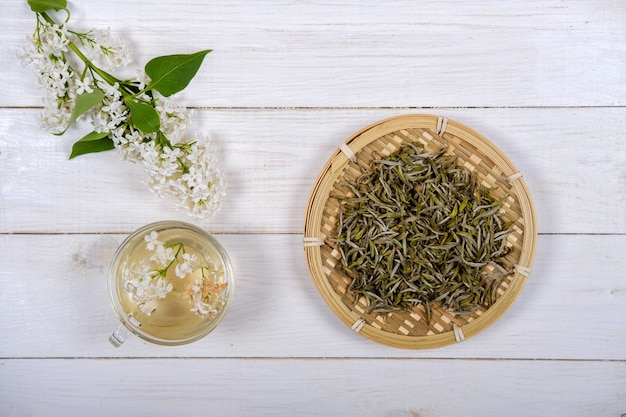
(347, 152)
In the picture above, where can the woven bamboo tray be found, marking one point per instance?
(411, 329)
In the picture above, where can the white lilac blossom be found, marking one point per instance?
(206, 295)
(106, 51)
(163, 256)
(149, 280)
(112, 112)
(73, 70)
(152, 240)
(189, 173)
(187, 265)
(145, 284)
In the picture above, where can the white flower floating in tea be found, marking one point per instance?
(150, 280)
(204, 295)
(136, 116)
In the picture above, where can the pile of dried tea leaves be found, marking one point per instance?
(417, 228)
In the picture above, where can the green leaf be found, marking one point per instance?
(172, 73)
(92, 142)
(83, 104)
(41, 6)
(143, 116)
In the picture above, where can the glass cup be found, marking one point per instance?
(170, 283)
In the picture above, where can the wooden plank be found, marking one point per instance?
(54, 303)
(365, 54)
(286, 84)
(570, 159)
(359, 387)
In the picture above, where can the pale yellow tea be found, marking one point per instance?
(172, 285)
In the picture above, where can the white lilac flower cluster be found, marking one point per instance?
(207, 296)
(149, 281)
(186, 170)
(48, 53)
(177, 167)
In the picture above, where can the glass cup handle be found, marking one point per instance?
(118, 337)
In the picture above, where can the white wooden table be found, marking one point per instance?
(288, 81)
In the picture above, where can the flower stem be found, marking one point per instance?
(181, 247)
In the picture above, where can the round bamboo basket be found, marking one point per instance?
(410, 329)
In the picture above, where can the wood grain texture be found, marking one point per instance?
(570, 307)
(573, 161)
(287, 82)
(335, 387)
(366, 53)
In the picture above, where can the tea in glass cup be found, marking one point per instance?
(170, 283)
